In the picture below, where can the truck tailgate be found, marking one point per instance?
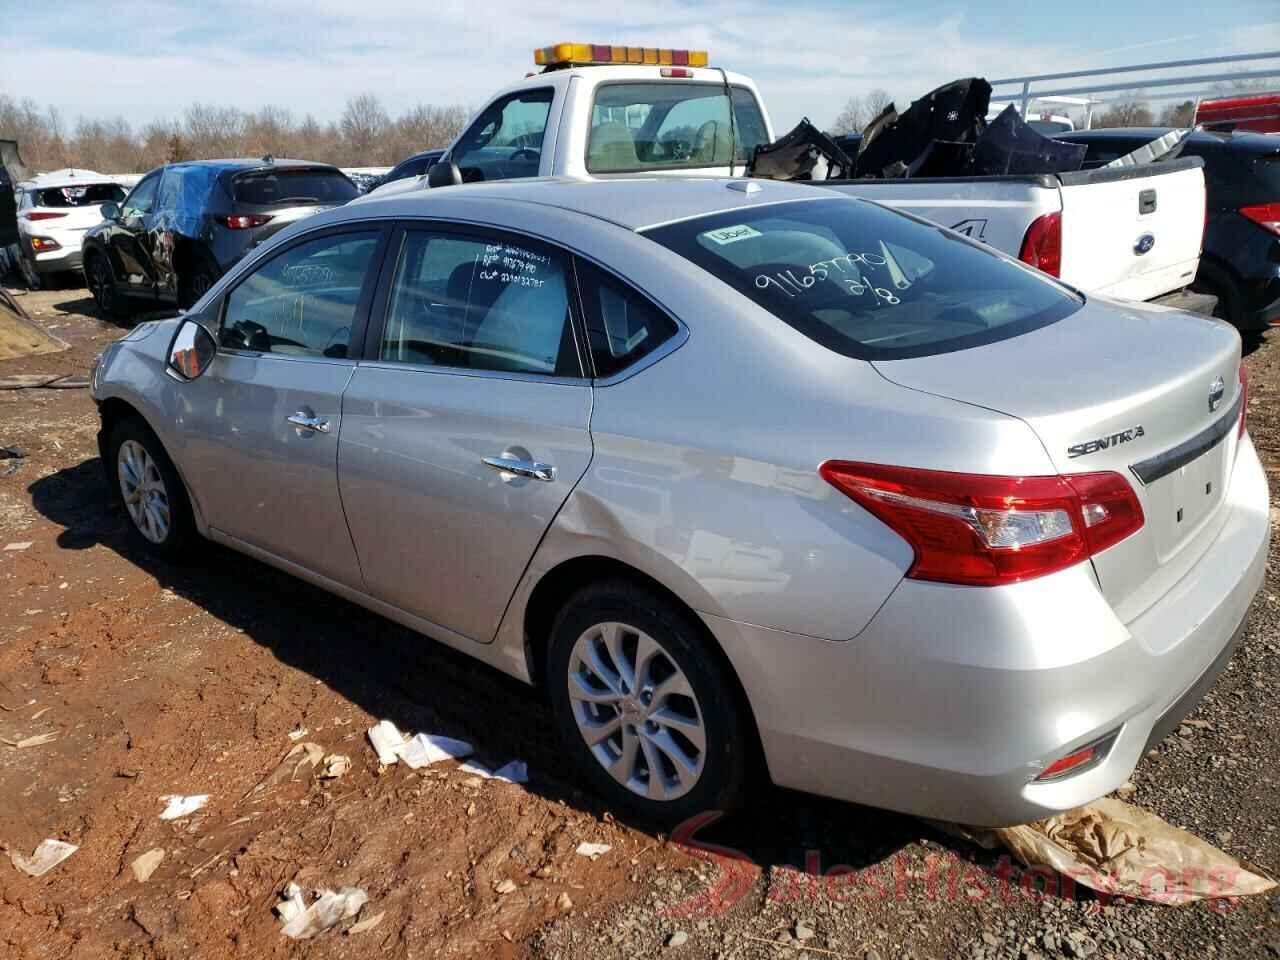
(1133, 232)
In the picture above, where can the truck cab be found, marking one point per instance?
(655, 111)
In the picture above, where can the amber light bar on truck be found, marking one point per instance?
(585, 54)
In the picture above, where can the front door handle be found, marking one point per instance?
(522, 468)
(304, 422)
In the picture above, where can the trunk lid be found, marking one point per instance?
(1122, 387)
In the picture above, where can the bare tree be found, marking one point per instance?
(876, 101)
(1178, 114)
(851, 119)
(1129, 110)
(364, 124)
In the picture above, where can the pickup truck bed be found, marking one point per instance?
(1122, 232)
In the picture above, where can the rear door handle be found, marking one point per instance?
(522, 468)
(304, 422)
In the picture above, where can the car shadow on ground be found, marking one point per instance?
(392, 672)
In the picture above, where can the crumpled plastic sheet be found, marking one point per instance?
(417, 751)
(1119, 849)
(302, 922)
(48, 855)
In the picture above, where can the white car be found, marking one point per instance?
(54, 212)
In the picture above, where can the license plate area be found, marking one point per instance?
(1180, 504)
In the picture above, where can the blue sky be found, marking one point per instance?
(158, 56)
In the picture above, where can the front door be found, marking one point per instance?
(263, 421)
(131, 241)
(467, 427)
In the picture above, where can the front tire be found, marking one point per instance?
(102, 285)
(150, 490)
(649, 712)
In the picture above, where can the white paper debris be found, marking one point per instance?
(24, 545)
(145, 865)
(329, 910)
(387, 740)
(48, 855)
(592, 850)
(179, 806)
(428, 748)
(335, 766)
(292, 905)
(514, 772)
(298, 734)
(367, 924)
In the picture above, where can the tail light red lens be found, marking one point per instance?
(983, 530)
(1244, 396)
(1078, 761)
(1042, 246)
(244, 221)
(41, 244)
(40, 215)
(1265, 215)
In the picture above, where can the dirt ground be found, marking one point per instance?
(157, 681)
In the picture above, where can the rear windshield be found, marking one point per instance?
(869, 282)
(642, 126)
(276, 187)
(80, 195)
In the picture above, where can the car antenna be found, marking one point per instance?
(733, 130)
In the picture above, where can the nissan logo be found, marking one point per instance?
(1216, 391)
(1144, 244)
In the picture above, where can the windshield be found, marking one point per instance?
(276, 187)
(868, 282)
(80, 195)
(639, 126)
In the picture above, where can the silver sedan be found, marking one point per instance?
(736, 471)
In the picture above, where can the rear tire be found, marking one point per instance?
(148, 486)
(633, 683)
(195, 282)
(29, 275)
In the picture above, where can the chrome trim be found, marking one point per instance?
(1162, 464)
(304, 422)
(531, 469)
(406, 366)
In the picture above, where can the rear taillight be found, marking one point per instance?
(679, 72)
(984, 530)
(1078, 761)
(41, 244)
(1244, 396)
(1265, 215)
(244, 221)
(36, 215)
(1042, 246)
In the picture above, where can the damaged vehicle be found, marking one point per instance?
(731, 470)
(55, 211)
(183, 225)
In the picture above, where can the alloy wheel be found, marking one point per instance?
(143, 489)
(636, 711)
(100, 284)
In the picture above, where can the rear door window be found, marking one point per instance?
(283, 187)
(622, 326)
(303, 302)
(505, 141)
(868, 282)
(480, 302)
(638, 126)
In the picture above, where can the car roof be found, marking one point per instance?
(65, 178)
(1236, 139)
(245, 163)
(632, 202)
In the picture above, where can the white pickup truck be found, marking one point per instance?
(607, 111)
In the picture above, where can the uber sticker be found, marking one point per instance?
(731, 234)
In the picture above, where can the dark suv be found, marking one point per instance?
(185, 224)
(1241, 258)
(415, 166)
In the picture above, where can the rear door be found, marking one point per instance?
(1133, 232)
(466, 426)
(262, 424)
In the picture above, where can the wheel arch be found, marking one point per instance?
(558, 584)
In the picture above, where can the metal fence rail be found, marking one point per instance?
(1141, 76)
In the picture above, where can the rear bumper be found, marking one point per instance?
(1188, 300)
(50, 263)
(953, 699)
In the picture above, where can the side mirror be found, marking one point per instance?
(191, 352)
(444, 174)
(110, 210)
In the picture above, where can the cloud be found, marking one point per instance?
(162, 55)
